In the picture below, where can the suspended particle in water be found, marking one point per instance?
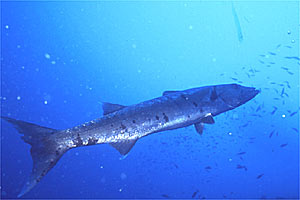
(47, 56)
(103, 180)
(123, 176)
(293, 41)
(18, 98)
(6, 26)
(191, 27)
(53, 62)
(289, 32)
(229, 133)
(134, 46)
(283, 116)
(45, 102)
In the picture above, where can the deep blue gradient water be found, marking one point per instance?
(60, 60)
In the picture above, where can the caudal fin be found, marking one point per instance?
(45, 152)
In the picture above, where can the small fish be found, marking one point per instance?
(165, 196)
(275, 109)
(272, 53)
(208, 167)
(241, 167)
(235, 79)
(283, 145)
(279, 45)
(271, 134)
(241, 153)
(262, 62)
(245, 125)
(272, 63)
(282, 92)
(292, 57)
(285, 68)
(291, 73)
(237, 23)
(259, 176)
(195, 193)
(287, 84)
(295, 129)
(288, 46)
(258, 108)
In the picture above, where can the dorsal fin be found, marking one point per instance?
(213, 94)
(110, 108)
(124, 146)
(169, 92)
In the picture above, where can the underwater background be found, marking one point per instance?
(60, 60)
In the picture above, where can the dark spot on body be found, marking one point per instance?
(133, 121)
(78, 141)
(92, 141)
(166, 118)
(112, 125)
(43, 173)
(184, 97)
(57, 152)
(196, 105)
(157, 117)
(189, 116)
(123, 126)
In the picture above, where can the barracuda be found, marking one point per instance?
(121, 126)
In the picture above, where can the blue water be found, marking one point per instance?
(60, 60)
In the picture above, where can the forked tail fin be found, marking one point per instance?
(45, 151)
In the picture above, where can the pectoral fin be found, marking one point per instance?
(208, 119)
(199, 127)
(124, 146)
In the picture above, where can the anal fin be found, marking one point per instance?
(124, 146)
(199, 127)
